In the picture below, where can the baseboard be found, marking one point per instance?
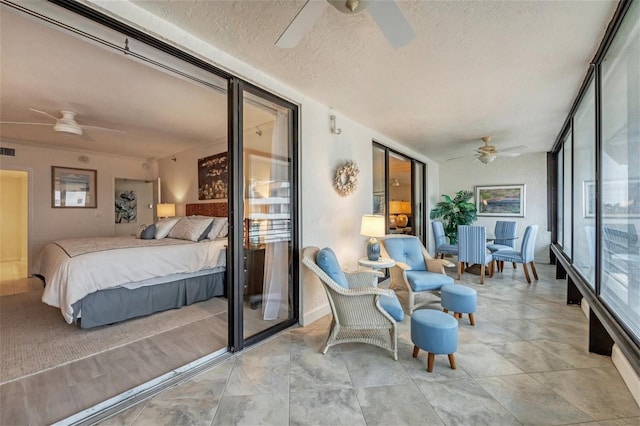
(313, 316)
(629, 376)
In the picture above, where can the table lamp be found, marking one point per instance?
(372, 226)
(166, 210)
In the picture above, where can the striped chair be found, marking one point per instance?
(441, 240)
(525, 255)
(472, 248)
(506, 233)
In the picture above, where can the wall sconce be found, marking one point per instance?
(334, 129)
(258, 131)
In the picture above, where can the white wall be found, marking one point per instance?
(529, 169)
(48, 224)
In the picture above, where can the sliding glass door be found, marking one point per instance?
(268, 298)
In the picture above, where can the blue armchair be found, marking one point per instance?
(472, 248)
(415, 269)
(441, 240)
(524, 256)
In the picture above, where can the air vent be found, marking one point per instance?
(9, 152)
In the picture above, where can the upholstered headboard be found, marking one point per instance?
(208, 209)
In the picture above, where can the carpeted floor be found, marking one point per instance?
(34, 336)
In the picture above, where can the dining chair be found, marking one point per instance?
(524, 256)
(505, 237)
(472, 249)
(441, 240)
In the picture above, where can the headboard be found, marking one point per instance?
(208, 209)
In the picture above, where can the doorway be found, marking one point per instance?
(14, 231)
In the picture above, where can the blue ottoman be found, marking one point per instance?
(460, 300)
(434, 332)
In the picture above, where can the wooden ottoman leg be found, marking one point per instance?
(452, 362)
(472, 319)
(446, 311)
(415, 351)
(430, 359)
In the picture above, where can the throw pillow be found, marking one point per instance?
(220, 228)
(149, 232)
(328, 262)
(189, 228)
(164, 226)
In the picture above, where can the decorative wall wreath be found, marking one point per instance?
(346, 178)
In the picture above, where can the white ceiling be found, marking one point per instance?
(509, 69)
(506, 69)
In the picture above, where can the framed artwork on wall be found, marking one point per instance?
(501, 200)
(73, 188)
(213, 177)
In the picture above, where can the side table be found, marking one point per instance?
(376, 265)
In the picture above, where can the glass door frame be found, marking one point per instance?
(414, 164)
(236, 274)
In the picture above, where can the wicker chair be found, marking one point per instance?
(415, 269)
(358, 316)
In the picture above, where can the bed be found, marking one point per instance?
(100, 281)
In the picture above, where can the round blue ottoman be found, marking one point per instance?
(460, 300)
(434, 332)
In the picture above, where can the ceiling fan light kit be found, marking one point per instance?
(67, 124)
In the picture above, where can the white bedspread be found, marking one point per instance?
(69, 279)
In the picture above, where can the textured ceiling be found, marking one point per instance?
(507, 69)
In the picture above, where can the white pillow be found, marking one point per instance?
(190, 228)
(220, 228)
(163, 226)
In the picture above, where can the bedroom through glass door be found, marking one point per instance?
(268, 214)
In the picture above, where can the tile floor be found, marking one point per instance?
(525, 362)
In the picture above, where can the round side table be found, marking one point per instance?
(382, 263)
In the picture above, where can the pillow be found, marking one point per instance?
(205, 233)
(220, 228)
(149, 232)
(140, 230)
(189, 228)
(328, 262)
(163, 226)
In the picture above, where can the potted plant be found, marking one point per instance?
(454, 212)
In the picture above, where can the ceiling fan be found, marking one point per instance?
(387, 15)
(487, 153)
(65, 124)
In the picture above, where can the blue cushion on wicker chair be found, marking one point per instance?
(391, 304)
(328, 262)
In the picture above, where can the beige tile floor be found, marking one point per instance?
(525, 362)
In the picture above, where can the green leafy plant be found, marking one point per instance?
(453, 212)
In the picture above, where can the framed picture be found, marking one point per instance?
(213, 177)
(501, 200)
(619, 198)
(73, 188)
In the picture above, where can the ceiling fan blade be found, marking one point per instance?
(302, 23)
(392, 22)
(44, 113)
(26, 123)
(457, 158)
(106, 129)
(514, 148)
(508, 154)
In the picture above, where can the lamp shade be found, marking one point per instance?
(395, 207)
(405, 207)
(166, 210)
(372, 225)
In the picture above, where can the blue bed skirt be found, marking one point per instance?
(119, 304)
